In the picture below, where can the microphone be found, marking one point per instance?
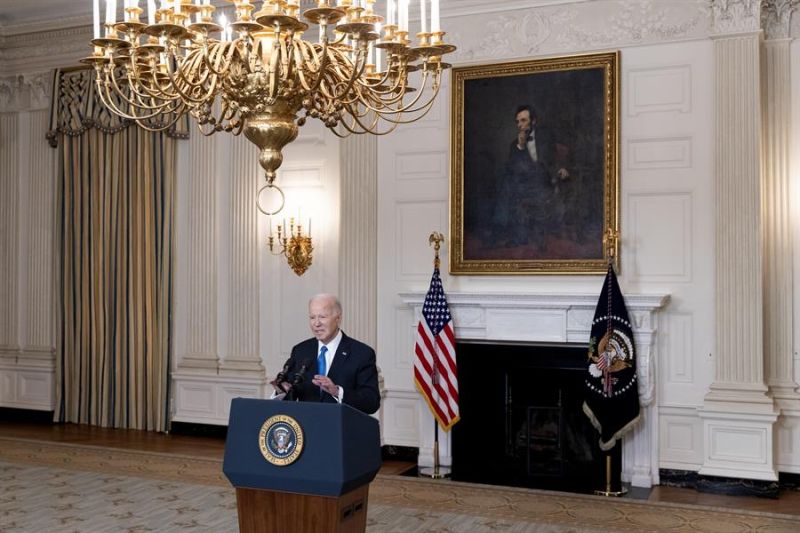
(284, 374)
(294, 392)
(298, 376)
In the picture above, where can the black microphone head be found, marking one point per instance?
(299, 375)
(282, 375)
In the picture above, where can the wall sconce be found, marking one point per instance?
(293, 244)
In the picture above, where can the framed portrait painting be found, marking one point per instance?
(534, 147)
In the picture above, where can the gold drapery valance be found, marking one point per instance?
(77, 107)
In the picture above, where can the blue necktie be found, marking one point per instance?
(321, 366)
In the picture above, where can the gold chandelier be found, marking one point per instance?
(267, 79)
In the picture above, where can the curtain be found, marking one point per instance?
(116, 186)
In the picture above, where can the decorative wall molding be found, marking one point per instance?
(205, 399)
(735, 16)
(776, 17)
(41, 50)
(577, 26)
(26, 92)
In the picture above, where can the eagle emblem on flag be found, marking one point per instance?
(612, 392)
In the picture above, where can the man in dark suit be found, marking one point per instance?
(337, 367)
(534, 171)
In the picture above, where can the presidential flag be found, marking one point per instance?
(612, 391)
(435, 361)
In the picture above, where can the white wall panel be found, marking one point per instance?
(659, 153)
(415, 222)
(681, 439)
(677, 362)
(661, 241)
(421, 165)
(401, 417)
(659, 89)
(405, 334)
(8, 386)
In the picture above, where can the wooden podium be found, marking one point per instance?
(300, 466)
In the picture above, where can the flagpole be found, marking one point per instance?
(613, 484)
(437, 472)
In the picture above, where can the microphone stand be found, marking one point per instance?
(297, 379)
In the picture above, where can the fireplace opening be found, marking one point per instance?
(522, 422)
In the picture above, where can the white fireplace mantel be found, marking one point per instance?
(563, 318)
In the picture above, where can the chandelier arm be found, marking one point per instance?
(274, 73)
(217, 55)
(299, 61)
(105, 98)
(409, 108)
(156, 109)
(192, 66)
(159, 92)
(180, 92)
(287, 46)
(148, 92)
(356, 118)
(323, 62)
(435, 86)
(176, 116)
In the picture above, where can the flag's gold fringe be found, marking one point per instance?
(605, 446)
(444, 426)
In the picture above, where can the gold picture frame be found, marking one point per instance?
(534, 166)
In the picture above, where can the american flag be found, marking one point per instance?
(435, 362)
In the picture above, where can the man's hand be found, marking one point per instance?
(326, 384)
(522, 139)
(281, 388)
(563, 173)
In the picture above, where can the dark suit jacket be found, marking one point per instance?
(353, 369)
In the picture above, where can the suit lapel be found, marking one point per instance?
(340, 359)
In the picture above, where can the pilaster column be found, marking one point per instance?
(9, 230)
(738, 414)
(198, 265)
(358, 254)
(241, 356)
(776, 108)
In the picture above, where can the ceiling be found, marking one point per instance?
(21, 16)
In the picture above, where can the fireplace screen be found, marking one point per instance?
(532, 396)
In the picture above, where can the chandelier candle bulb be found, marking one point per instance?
(403, 9)
(435, 25)
(96, 18)
(111, 11)
(423, 20)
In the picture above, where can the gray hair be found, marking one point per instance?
(337, 305)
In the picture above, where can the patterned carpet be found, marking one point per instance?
(69, 488)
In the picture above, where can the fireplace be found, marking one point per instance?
(522, 422)
(560, 321)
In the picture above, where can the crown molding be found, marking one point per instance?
(37, 51)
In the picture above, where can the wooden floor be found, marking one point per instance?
(213, 447)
